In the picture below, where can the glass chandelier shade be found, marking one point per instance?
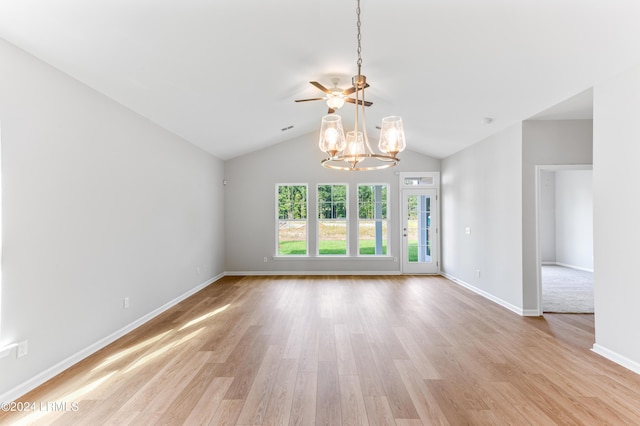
(354, 151)
(392, 136)
(332, 138)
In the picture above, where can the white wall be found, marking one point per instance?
(250, 206)
(482, 191)
(616, 212)
(552, 142)
(98, 204)
(566, 218)
(547, 216)
(574, 219)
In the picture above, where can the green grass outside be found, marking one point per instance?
(333, 247)
(330, 247)
(292, 247)
(367, 247)
(413, 251)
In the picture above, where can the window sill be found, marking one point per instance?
(307, 257)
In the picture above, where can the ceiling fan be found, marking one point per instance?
(336, 97)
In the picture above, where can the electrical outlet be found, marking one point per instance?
(125, 303)
(478, 273)
(265, 259)
(23, 349)
(197, 270)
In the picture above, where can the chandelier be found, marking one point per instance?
(354, 152)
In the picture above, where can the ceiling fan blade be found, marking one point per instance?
(352, 89)
(353, 101)
(320, 86)
(312, 99)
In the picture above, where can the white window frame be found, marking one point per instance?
(345, 220)
(278, 220)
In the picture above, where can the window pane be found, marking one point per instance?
(332, 237)
(292, 202)
(292, 237)
(332, 201)
(292, 220)
(372, 237)
(372, 201)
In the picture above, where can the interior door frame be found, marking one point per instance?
(409, 182)
(538, 185)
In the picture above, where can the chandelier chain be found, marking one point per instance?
(359, 63)
(357, 82)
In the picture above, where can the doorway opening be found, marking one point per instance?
(564, 218)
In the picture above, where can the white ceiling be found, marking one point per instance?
(224, 74)
(578, 107)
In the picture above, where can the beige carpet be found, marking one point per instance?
(566, 290)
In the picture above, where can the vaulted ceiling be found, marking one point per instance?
(224, 74)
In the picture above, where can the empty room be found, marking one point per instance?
(265, 213)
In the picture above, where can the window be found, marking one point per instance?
(372, 219)
(292, 220)
(332, 220)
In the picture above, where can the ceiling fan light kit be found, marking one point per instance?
(335, 101)
(354, 152)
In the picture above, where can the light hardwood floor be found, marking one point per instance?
(403, 350)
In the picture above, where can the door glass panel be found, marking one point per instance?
(418, 228)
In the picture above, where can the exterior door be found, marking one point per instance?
(420, 231)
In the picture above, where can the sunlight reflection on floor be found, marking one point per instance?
(75, 396)
(126, 352)
(204, 317)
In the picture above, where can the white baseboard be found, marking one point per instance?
(566, 265)
(579, 268)
(503, 303)
(273, 273)
(34, 382)
(617, 358)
